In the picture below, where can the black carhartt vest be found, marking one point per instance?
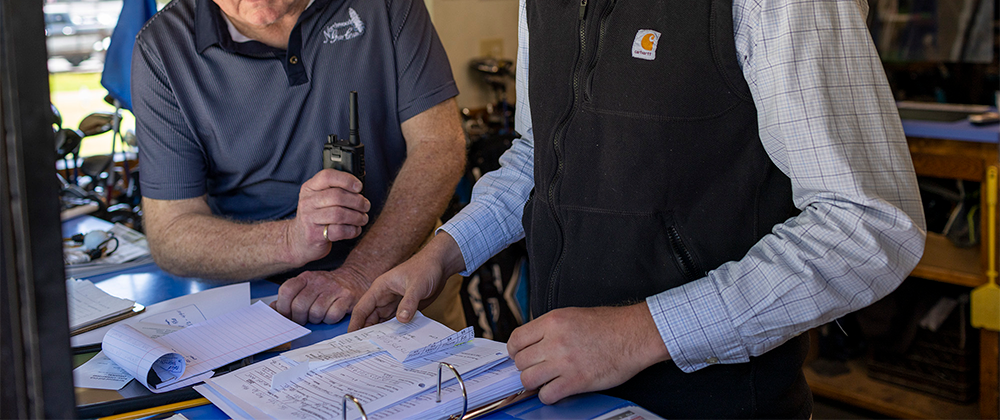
(649, 171)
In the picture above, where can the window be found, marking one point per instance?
(77, 33)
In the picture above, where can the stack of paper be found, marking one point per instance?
(183, 311)
(132, 251)
(185, 356)
(488, 387)
(89, 305)
(392, 368)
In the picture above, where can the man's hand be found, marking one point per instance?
(329, 202)
(573, 350)
(412, 285)
(320, 296)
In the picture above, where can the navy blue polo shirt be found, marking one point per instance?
(245, 123)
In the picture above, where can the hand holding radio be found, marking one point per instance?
(331, 207)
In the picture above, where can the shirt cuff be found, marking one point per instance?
(695, 327)
(477, 234)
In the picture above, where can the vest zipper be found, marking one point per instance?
(600, 48)
(684, 259)
(560, 135)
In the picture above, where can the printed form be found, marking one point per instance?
(181, 311)
(354, 364)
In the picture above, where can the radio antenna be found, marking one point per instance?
(353, 138)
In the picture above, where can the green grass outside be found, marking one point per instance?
(76, 95)
(67, 81)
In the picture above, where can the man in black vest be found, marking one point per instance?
(710, 180)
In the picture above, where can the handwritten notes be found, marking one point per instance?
(187, 355)
(419, 337)
(187, 309)
(309, 383)
(139, 355)
(88, 304)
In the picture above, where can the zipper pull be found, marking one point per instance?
(583, 9)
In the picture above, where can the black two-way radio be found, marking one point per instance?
(348, 154)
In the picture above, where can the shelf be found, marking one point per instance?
(857, 389)
(947, 263)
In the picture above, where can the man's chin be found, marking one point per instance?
(260, 15)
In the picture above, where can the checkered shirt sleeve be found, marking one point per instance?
(828, 121)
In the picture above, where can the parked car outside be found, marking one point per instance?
(79, 30)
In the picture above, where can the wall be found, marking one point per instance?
(471, 29)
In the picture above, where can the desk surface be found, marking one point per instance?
(148, 284)
(961, 130)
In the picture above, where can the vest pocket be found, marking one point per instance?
(653, 60)
(614, 257)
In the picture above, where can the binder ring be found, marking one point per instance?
(465, 395)
(343, 406)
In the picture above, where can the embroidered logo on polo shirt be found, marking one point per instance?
(644, 46)
(342, 31)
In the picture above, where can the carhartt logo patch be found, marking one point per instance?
(342, 31)
(644, 46)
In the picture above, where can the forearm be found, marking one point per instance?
(412, 209)
(861, 228)
(810, 272)
(416, 201)
(492, 221)
(203, 245)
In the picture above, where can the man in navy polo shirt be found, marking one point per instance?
(234, 100)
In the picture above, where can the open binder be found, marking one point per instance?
(465, 414)
(385, 372)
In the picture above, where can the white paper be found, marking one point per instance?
(188, 356)
(228, 403)
(421, 336)
(100, 372)
(378, 381)
(139, 355)
(340, 349)
(230, 337)
(497, 383)
(203, 305)
(155, 330)
(89, 304)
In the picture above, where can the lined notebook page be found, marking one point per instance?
(230, 337)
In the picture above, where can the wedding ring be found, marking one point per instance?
(325, 228)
